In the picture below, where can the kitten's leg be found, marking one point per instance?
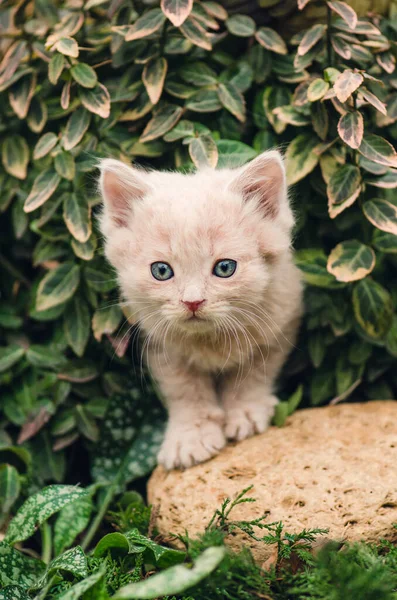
(195, 420)
(248, 400)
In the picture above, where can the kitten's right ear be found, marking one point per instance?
(120, 186)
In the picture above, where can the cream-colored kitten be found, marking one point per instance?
(205, 264)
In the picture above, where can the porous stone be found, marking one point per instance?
(333, 467)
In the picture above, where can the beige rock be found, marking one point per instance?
(332, 467)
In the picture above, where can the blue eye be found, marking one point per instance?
(161, 271)
(225, 267)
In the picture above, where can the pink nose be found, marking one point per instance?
(193, 306)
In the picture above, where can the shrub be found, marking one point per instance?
(179, 87)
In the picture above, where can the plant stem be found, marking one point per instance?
(329, 45)
(98, 519)
(46, 539)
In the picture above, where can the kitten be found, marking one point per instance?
(204, 261)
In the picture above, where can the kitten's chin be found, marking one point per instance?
(196, 325)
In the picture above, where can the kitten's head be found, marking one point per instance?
(195, 252)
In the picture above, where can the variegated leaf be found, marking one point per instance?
(177, 11)
(57, 286)
(15, 156)
(153, 77)
(163, 120)
(351, 128)
(351, 261)
(347, 83)
(194, 32)
(232, 99)
(45, 144)
(373, 308)
(145, 25)
(96, 100)
(343, 189)
(203, 151)
(76, 127)
(311, 37)
(67, 46)
(44, 186)
(378, 150)
(382, 214)
(84, 75)
(300, 157)
(345, 11)
(77, 216)
(271, 40)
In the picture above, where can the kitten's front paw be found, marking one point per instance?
(189, 445)
(248, 419)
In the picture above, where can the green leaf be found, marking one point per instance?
(76, 127)
(116, 542)
(241, 25)
(147, 24)
(55, 68)
(14, 592)
(204, 101)
(345, 11)
(153, 553)
(38, 115)
(373, 308)
(385, 242)
(387, 181)
(280, 414)
(10, 488)
(351, 260)
(79, 372)
(343, 189)
(39, 355)
(203, 151)
(313, 264)
(232, 154)
(64, 165)
(15, 156)
(76, 324)
(84, 75)
(9, 356)
(77, 216)
(391, 338)
(73, 561)
(300, 157)
(96, 100)
(271, 40)
(198, 73)
(195, 33)
(378, 150)
(232, 99)
(106, 319)
(85, 250)
(175, 580)
(57, 286)
(21, 95)
(351, 128)
(38, 508)
(67, 46)
(320, 119)
(317, 89)
(100, 281)
(78, 589)
(181, 130)
(322, 387)
(44, 186)
(153, 78)
(177, 11)
(71, 521)
(45, 144)
(15, 566)
(163, 120)
(382, 214)
(311, 37)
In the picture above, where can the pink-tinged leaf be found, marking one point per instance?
(343, 189)
(96, 100)
(346, 84)
(351, 128)
(311, 37)
(153, 77)
(177, 11)
(387, 61)
(341, 47)
(193, 31)
(271, 40)
(119, 343)
(65, 95)
(345, 11)
(362, 27)
(373, 100)
(338, 106)
(302, 4)
(33, 426)
(12, 59)
(388, 181)
(300, 94)
(378, 150)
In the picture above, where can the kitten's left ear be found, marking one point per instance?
(263, 180)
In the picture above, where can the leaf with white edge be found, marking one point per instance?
(378, 150)
(203, 151)
(15, 566)
(312, 262)
(105, 321)
(9, 356)
(382, 214)
(67, 46)
(84, 75)
(14, 592)
(130, 438)
(387, 61)
(145, 25)
(232, 154)
(153, 78)
(10, 487)
(96, 100)
(241, 25)
(311, 37)
(38, 115)
(271, 40)
(44, 186)
(65, 166)
(76, 127)
(343, 189)
(317, 89)
(215, 10)
(12, 59)
(193, 31)
(21, 95)
(351, 261)
(78, 589)
(232, 99)
(385, 242)
(153, 553)
(181, 130)
(204, 101)
(388, 181)
(55, 68)
(347, 83)
(198, 73)
(85, 250)
(57, 286)
(300, 157)
(163, 120)
(345, 11)
(373, 308)
(177, 11)
(291, 115)
(77, 325)
(341, 47)
(73, 561)
(351, 128)
(45, 144)
(77, 216)
(175, 580)
(373, 100)
(38, 508)
(15, 156)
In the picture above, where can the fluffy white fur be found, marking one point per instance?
(216, 372)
